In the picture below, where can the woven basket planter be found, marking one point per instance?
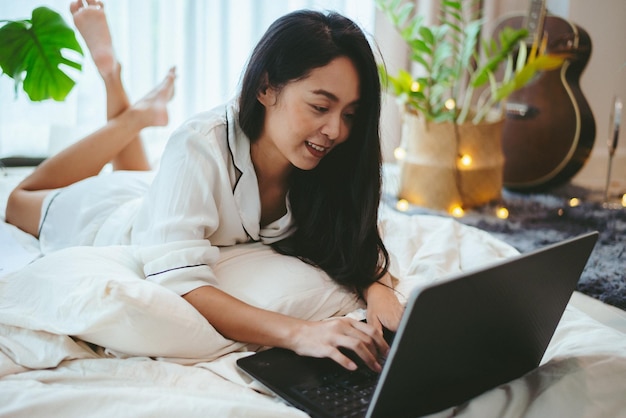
(448, 166)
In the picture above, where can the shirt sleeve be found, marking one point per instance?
(180, 266)
(181, 210)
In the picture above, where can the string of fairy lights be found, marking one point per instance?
(500, 211)
(465, 161)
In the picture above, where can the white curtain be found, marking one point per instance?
(207, 40)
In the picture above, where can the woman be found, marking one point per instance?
(294, 163)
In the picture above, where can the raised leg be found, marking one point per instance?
(88, 156)
(90, 20)
(118, 141)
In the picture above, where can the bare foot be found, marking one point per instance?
(153, 106)
(91, 22)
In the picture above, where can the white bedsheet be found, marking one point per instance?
(583, 377)
(583, 373)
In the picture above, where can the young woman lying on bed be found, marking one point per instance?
(294, 162)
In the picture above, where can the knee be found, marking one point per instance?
(11, 209)
(24, 209)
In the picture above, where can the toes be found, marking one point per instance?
(76, 6)
(171, 74)
(96, 3)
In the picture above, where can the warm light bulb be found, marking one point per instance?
(415, 87)
(574, 201)
(457, 211)
(466, 160)
(450, 104)
(502, 212)
(624, 200)
(399, 153)
(402, 205)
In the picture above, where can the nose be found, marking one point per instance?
(333, 127)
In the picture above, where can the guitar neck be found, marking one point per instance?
(535, 21)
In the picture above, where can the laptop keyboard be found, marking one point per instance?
(342, 393)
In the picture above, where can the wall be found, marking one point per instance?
(605, 76)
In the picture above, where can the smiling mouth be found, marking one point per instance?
(316, 147)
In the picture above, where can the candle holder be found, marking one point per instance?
(617, 201)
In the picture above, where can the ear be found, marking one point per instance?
(266, 94)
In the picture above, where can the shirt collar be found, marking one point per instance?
(246, 190)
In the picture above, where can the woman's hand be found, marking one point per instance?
(383, 307)
(239, 321)
(324, 338)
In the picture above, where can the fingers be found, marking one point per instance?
(343, 360)
(343, 340)
(373, 349)
(363, 340)
(376, 334)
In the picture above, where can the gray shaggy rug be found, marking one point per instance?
(536, 220)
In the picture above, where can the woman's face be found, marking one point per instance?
(307, 118)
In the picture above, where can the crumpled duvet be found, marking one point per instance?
(583, 372)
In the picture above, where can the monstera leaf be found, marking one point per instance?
(32, 52)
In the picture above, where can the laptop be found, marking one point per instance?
(457, 339)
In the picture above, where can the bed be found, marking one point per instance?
(81, 334)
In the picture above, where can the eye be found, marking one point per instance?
(349, 116)
(319, 109)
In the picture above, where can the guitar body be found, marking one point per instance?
(549, 129)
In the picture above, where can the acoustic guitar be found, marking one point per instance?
(549, 129)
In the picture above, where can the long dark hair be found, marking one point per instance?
(335, 205)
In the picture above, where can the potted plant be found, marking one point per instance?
(452, 104)
(33, 52)
(36, 53)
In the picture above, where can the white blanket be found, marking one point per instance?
(44, 372)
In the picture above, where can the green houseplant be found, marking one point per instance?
(34, 51)
(452, 101)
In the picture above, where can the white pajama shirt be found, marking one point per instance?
(204, 196)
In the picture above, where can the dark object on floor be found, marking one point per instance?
(21, 161)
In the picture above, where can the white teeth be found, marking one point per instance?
(316, 147)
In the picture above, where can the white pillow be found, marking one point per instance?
(261, 277)
(98, 295)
